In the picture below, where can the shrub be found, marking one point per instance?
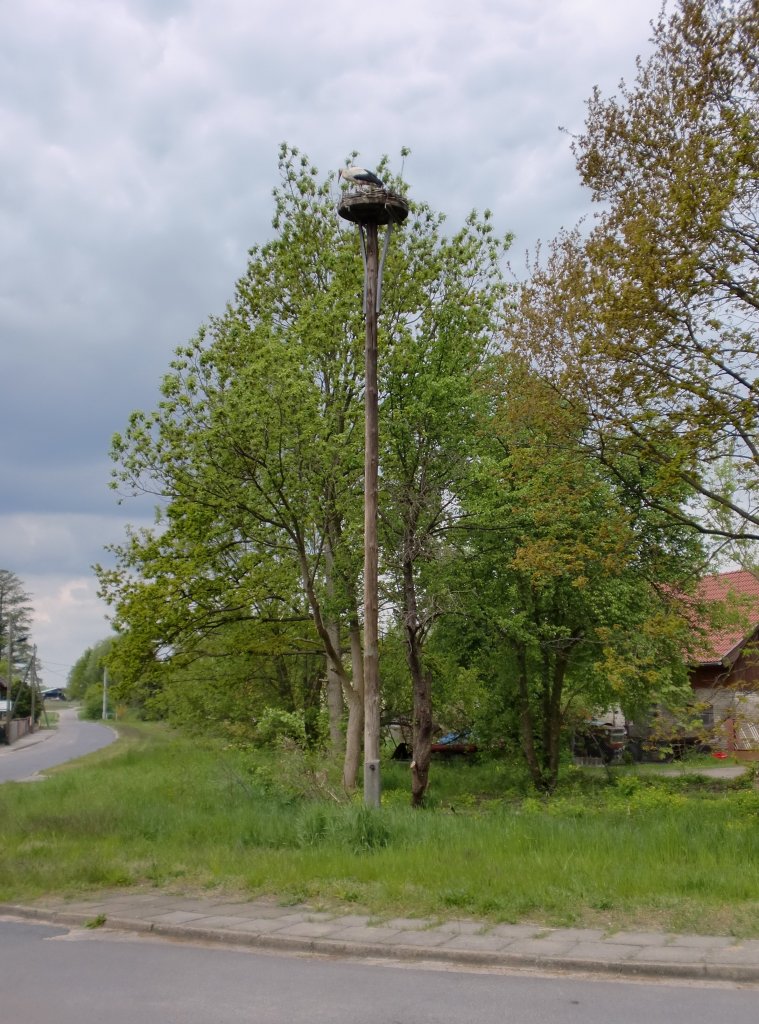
(92, 705)
(276, 725)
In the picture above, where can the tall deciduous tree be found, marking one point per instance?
(573, 590)
(654, 318)
(255, 450)
(432, 381)
(88, 669)
(255, 453)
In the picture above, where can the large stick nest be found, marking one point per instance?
(372, 205)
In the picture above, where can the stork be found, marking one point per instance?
(359, 176)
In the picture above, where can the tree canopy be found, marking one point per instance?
(15, 622)
(255, 450)
(650, 321)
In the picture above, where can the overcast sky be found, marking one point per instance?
(138, 150)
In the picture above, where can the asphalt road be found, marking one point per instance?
(31, 756)
(86, 977)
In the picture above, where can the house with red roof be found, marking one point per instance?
(725, 662)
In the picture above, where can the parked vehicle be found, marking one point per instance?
(600, 739)
(455, 744)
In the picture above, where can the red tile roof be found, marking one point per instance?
(742, 588)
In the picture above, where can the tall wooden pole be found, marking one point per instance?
(367, 208)
(105, 694)
(9, 694)
(372, 779)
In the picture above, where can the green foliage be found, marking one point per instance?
(23, 702)
(276, 725)
(569, 588)
(88, 669)
(255, 453)
(356, 828)
(651, 319)
(92, 703)
(15, 621)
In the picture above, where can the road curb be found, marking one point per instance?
(398, 952)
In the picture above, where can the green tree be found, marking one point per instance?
(88, 669)
(432, 376)
(255, 450)
(15, 623)
(255, 453)
(651, 320)
(572, 591)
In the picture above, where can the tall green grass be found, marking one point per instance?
(162, 810)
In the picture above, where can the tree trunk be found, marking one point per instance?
(334, 681)
(553, 727)
(422, 692)
(354, 693)
(335, 696)
(526, 722)
(422, 741)
(354, 696)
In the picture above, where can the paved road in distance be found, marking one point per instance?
(25, 759)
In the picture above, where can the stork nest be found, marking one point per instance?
(372, 205)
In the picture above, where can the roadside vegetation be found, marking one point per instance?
(610, 849)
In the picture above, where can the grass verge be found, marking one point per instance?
(162, 810)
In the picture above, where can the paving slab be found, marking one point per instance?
(516, 931)
(367, 934)
(260, 925)
(540, 947)
(604, 952)
(461, 927)
(638, 938)
(731, 955)
(352, 920)
(310, 929)
(575, 934)
(489, 943)
(664, 954)
(703, 941)
(178, 917)
(222, 921)
(425, 939)
(410, 923)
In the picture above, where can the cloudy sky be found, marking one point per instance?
(138, 150)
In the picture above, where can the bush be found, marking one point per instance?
(277, 725)
(92, 706)
(22, 702)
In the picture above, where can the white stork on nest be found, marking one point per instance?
(359, 176)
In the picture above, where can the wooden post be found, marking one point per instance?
(372, 779)
(9, 692)
(369, 208)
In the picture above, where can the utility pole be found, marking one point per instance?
(36, 690)
(372, 780)
(368, 208)
(9, 694)
(105, 693)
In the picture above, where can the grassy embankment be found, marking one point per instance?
(610, 850)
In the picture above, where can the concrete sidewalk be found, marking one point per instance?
(265, 925)
(29, 740)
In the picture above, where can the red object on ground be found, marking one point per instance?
(719, 754)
